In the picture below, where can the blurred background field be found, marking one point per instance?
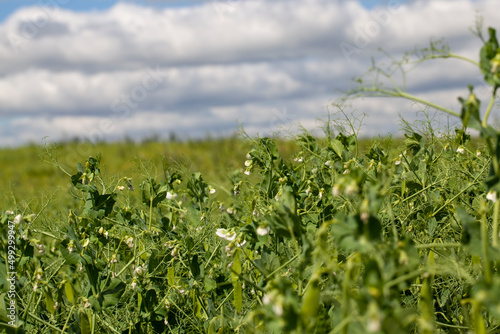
(30, 178)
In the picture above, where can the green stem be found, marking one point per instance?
(150, 212)
(490, 107)
(45, 323)
(452, 55)
(398, 93)
(453, 198)
(496, 211)
(485, 245)
(130, 262)
(67, 319)
(442, 245)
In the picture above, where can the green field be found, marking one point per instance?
(326, 234)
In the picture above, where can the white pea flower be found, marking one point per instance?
(328, 163)
(336, 190)
(18, 219)
(492, 196)
(228, 250)
(266, 299)
(478, 153)
(248, 163)
(133, 285)
(41, 248)
(247, 172)
(278, 309)
(9, 212)
(461, 150)
(263, 230)
(225, 234)
(211, 190)
(121, 188)
(87, 304)
(139, 271)
(130, 242)
(171, 195)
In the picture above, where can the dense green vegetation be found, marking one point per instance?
(309, 235)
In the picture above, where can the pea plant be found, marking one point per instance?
(394, 238)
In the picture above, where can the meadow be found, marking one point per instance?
(308, 234)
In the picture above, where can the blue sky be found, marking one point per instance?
(7, 7)
(102, 70)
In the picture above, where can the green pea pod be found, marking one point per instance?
(310, 301)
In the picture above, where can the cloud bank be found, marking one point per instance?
(136, 71)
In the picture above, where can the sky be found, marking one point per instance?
(109, 70)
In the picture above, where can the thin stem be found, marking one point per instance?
(496, 211)
(398, 93)
(45, 323)
(490, 107)
(452, 55)
(485, 245)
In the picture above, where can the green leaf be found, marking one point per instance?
(470, 110)
(337, 147)
(471, 234)
(113, 292)
(195, 267)
(490, 59)
(209, 284)
(150, 300)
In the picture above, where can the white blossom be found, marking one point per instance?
(492, 196)
(461, 150)
(263, 230)
(139, 271)
(130, 242)
(225, 234)
(18, 219)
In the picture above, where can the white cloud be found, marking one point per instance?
(259, 63)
